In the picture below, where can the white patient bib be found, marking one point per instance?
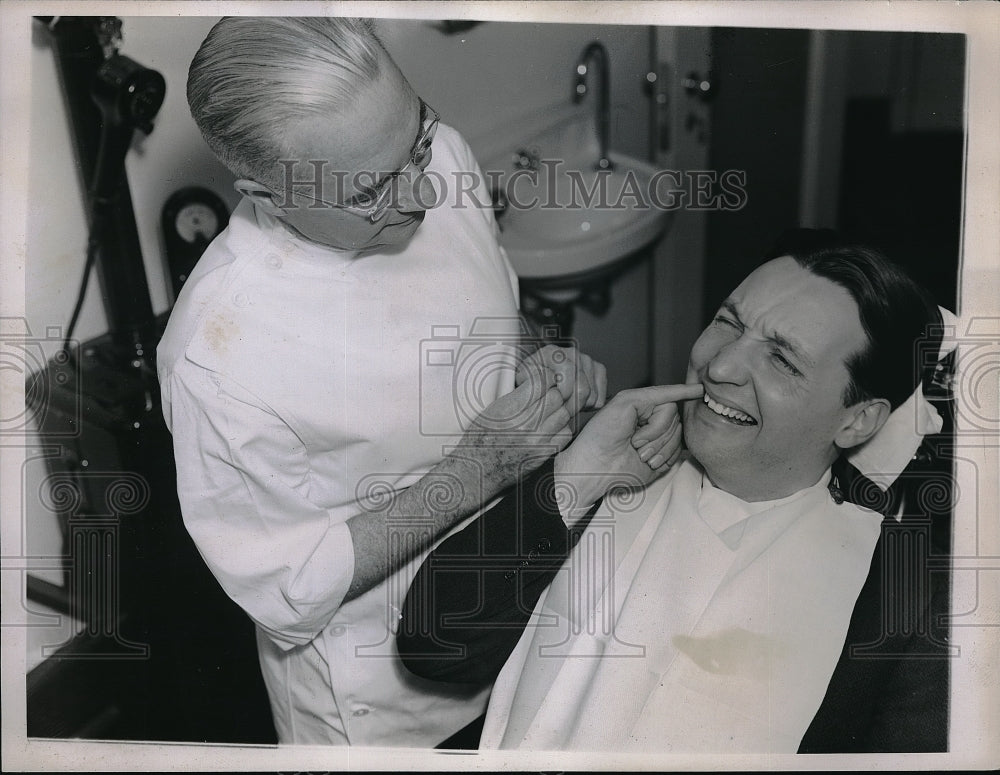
(716, 627)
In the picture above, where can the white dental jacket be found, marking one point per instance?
(298, 381)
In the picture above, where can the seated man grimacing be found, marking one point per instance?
(708, 611)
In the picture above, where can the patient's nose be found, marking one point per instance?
(730, 363)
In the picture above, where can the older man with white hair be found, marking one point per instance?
(321, 447)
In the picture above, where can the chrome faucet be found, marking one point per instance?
(596, 51)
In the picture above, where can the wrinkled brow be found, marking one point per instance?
(776, 338)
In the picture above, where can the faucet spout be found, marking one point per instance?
(596, 52)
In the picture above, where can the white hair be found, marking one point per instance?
(253, 76)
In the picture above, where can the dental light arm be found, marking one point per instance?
(108, 97)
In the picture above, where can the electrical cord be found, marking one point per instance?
(92, 249)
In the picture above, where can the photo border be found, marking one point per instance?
(975, 694)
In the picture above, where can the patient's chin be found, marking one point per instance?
(695, 442)
(713, 447)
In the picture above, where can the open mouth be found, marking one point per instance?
(728, 412)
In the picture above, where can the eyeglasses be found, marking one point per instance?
(373, 202)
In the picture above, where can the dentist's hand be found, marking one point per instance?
(514, 434)
(604, 455)
(508, 439)
(581, 380)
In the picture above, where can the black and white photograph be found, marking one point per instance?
(500, 386)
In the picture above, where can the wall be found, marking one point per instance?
(486, 78)
(781, 113)
(171, 157)
(922, 75)
(894, 127)
(757, 127)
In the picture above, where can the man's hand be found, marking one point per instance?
(581, 380)
(605, 454)
(510, 438)
(518, 431)
(658, 437)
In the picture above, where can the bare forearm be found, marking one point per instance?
(387, 538)
(509, 439)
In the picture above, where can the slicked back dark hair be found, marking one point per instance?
(900, 320)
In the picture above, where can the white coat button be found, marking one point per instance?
(241, 299)
(338, 630)
(274, 261)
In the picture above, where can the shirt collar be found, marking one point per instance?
(727, 515)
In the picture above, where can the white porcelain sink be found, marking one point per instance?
(567, 219)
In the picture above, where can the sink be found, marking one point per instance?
(564, 234)
(564, 219)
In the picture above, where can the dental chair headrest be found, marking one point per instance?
(883, 457)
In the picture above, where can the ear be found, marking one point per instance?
(863, 421)
(260, 196)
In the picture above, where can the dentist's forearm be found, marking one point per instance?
(387, 538)
(493, 455)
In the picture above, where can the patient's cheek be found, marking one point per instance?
(686, 411)
(688, 429)
(692, 370)
(707, 346)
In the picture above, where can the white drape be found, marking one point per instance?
(688, 622)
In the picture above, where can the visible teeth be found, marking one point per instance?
(728, 411)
